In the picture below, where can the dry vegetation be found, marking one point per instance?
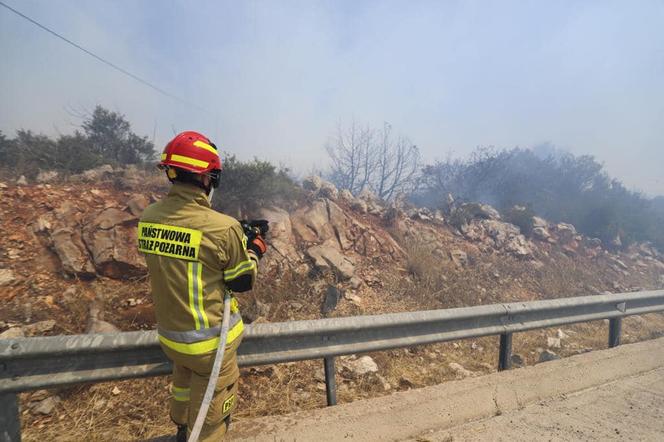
(424, 279)
(138, 408)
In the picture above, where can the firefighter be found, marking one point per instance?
(194, 255)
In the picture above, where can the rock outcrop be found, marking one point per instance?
(74, 256)
(7, 277)
(499, 235)
(111, 238)
(327, 257)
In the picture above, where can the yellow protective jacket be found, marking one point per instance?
(194, 254)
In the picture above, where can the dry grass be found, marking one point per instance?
(139, 411)
(426, 279)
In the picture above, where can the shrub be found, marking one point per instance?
(556, 185)
(247, 186)
(106, 139)
(522, 217)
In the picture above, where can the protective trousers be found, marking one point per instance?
(191, 374)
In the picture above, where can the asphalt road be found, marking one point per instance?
(627, 409)
(609, 394)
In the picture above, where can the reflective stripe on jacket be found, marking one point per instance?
(194, 255)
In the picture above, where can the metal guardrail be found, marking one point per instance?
(44, 362)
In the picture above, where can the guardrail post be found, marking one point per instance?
(505, 355)
(615, 327)
(330, 381)
(10, 425)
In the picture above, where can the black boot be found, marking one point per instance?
(181, 436)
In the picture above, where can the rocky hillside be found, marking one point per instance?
(69, 248)
(68, 264)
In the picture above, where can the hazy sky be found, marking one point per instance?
(278, 76)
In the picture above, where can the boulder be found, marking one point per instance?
(111, 239)
(312, 224)
(541, 233)
(540, 222)
(355, 368)
(137, 204)
(479, 211)
(339, 223)
(74, 257)
(39, 328)
(486, 211)
(372, 201)
(7, 277)
(328, 190)
(346, 195)
(501, 235)
(112, 217)
(46, 406)
(281, 237)
(46, 176)
(312, 183)
(566, 232)
(22, 181)
(518, 246)
(328, 257)
(459, 370)
(500, 232)
(548, 355)
(324, 222)
(97, 174)
(517, 360)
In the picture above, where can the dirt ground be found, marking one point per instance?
(137, 409)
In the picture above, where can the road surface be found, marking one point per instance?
(627, 409)
(615, 394)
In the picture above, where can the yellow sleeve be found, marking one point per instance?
(240, 265)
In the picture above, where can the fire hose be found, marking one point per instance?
(216, 367)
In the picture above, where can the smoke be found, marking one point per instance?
(277, 77)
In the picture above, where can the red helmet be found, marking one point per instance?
(191, 151)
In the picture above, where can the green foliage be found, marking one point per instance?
(464, 214)
(6, 149)
(558, 186)
(247, 186)
(106, 139)
(521, 217)
(111, 138)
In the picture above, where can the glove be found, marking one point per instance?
(258, 246)
(255, 227)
